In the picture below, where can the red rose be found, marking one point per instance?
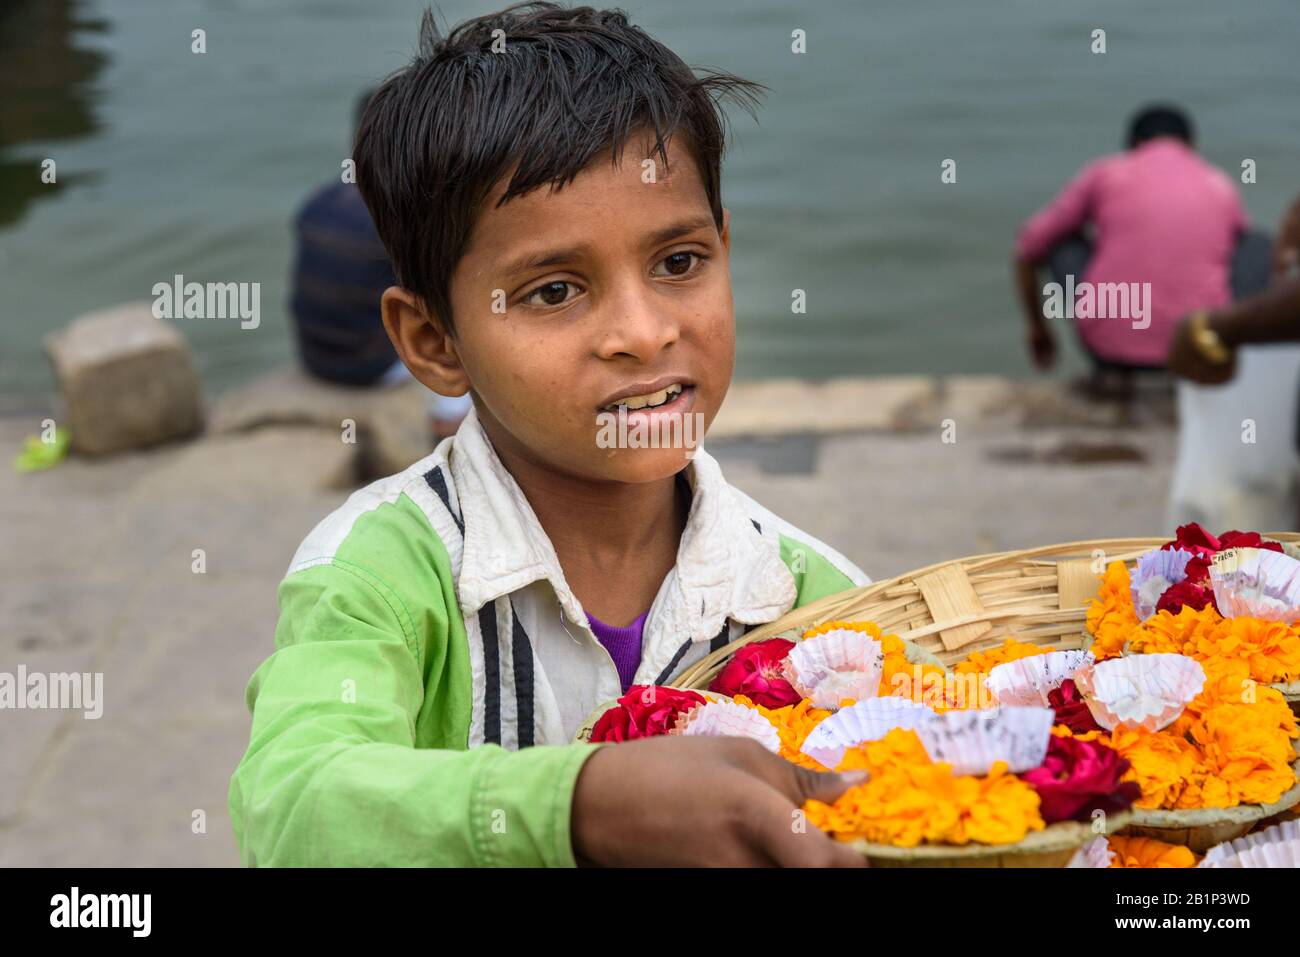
(1195, 539)
(1186, 594)
(1079, 777)
(1247, 540)
(1071, 710)
(755, 672)
(1202, 546)
(646, 711)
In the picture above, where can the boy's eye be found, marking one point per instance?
(678, 264)
(550, 294)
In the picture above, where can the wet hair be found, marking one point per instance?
(359, 109)
(1152, 121)
(562, 87)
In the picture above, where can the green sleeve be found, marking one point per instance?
(358, 750)
(814, 575)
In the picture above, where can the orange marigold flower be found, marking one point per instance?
(1178, 633)
(923, 683)
(869, 628)
(1064, 731)
(793, 724)
(1148, 852)
(909, 800)
(1161, 764)
(1111, 618)
(1272, 648)
(1010, 650)
(1232, 743)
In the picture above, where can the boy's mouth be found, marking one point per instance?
(654, 396)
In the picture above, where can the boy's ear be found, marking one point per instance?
(422, 342)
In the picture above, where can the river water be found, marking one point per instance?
(174, 162)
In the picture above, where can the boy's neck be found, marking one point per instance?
(615, 541)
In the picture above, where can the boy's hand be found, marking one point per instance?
(724, 802)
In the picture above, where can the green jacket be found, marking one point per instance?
(431, 665)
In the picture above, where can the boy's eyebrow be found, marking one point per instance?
(556, 257)
(681, 228)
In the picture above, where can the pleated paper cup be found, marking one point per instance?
(831, 667)
(1154, 573)
(1256, 583)
(1140, 691)
(868, 720)
(727, 719)
(973, 741)
(1027, 681)
(1095, 854)
(1276, 846)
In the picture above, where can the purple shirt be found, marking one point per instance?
(623, 645)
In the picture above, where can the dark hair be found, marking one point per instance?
(359, 109)
(1152, 121)
(568, 85)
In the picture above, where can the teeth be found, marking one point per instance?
(644, 401)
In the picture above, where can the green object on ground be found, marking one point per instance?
(38, 454)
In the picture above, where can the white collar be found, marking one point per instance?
(725, 567)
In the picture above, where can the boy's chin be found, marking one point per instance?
(641, 466)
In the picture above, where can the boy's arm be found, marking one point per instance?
(332, 775)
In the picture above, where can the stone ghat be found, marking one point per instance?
(128, 382)
(392, 425)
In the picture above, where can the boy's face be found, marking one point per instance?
(615, 290)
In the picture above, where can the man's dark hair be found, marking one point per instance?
(1152, 121)
(568, 85)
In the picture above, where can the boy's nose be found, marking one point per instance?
(641, 326)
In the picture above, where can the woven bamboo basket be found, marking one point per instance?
(948, 610)
(1051, 847)
(951, 609)
(1202, 828)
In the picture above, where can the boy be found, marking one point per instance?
(546, 182)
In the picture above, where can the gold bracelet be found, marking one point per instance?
(1206, 340)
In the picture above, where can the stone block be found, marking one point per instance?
(127, 379)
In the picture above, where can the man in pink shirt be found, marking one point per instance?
(1164, 226)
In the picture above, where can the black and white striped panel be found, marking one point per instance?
(508, 677)
(501, 654)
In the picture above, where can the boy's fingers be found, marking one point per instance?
(783, 835)
(825, 786)
(778, 822)
(800, 784)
